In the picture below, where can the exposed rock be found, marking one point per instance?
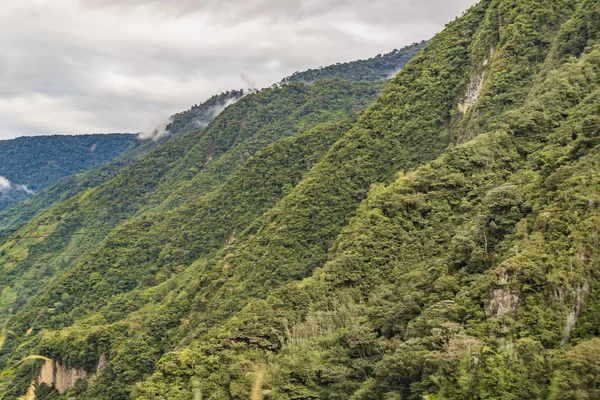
(580, 293)
(503, 299)
(62, 378)
(211, 152)
(230, 239)
(101, 363)
(472, 93)
(475, 86)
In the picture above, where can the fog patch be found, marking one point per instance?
(214, 111)
(24, 188)
(158, 132)
(5, 185)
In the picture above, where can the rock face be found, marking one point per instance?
(472, 94)
(503, 300)
(62, 378)
(580, 293)
(475, 86)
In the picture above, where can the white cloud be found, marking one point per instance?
(4, 184)
(85, 66)
(156, 131)
(24, 188)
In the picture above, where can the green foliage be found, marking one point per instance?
(380, 67)
(191, 120)
(461, 276)
(235, 149)
(186, 167)
(579, 374)
(37, 162)
(443, 244)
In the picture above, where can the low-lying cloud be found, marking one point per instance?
(7, 186)
(158, 132)
(215, 110)
(24, 188)
(85, 66)
(4, 184)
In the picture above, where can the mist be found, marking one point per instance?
(5, 185)
(157, 132)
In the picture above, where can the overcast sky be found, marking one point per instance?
(92, 66)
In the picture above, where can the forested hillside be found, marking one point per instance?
(440, 243)
(196, 117)
(380, 67)
(180, 171)
(30, 164)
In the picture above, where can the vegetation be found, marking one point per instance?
(181, 123)
(186, 167)
(441, 243)
(380, 67)
(31, 164)
(197, 117)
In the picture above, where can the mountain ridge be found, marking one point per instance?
(30, 164)
(437, 239)
(380, 67)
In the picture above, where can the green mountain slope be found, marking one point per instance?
(198, 117)
(193, 119)
(31, 164)
(441, 244)
(183, 168)
(180, 171)
(374, 69)
(472, 276)
(371, 168)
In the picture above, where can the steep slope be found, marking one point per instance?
(31, 164)
(445, 246)
(374, 69)
(346, 173)
(187, 168)
(196, 229)
(474, 276)
(197, 117)
(179, 124)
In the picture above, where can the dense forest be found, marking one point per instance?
(380, 67)
(178, 172)
(178, 125)
(30, 164)
(431, 237)
(196, 118)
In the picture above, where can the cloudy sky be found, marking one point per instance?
(88, 66)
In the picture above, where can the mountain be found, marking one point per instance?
(179, 124)
(196, 118)
(380, 67)
(181, 170)
(31, 164)
(437, 239)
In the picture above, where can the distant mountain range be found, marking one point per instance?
(31, 164)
